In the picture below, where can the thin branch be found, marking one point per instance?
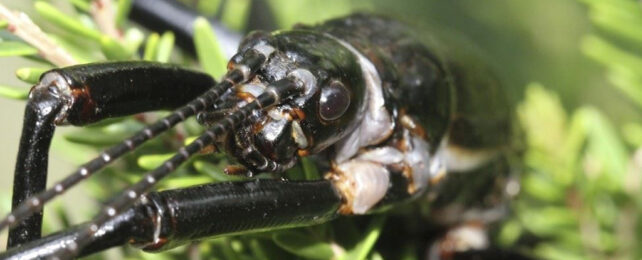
(105, 17)
(20, 25)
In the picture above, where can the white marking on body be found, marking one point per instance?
(106, 157)
(461, 159)
(148, 133)
(158, 224)
(376, 124)
(298, 135)
(384, 155)
(366, 181)
(265, 49)
(129, 144)
(419, 159)
(202, 101)
(309, 82)
(181, 115)
(245, 70)
(468, 237)
(253, 89)
(111, 211)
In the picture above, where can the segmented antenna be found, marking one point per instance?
(126, 199)
(251, 61)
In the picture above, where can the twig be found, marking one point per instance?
(20, 25)
(104, 16)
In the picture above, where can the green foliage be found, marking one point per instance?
(208, 48)
(30, 75)
(16, 49)
(580, 192)
(575, 181)
(13, 92)
(303, 245)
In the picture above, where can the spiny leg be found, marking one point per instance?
(285, 88)
(248, 64)
(163, 220)
(80, 95)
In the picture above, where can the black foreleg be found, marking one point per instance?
(163, 220)
(85, 94)
(30, 175)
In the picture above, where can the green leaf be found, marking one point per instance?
(14, 93)
(208, 48)
(619, 17)
(165, 46)
(152, 161)
(257, 250)
(63, 216)
(66, 22)
(122, 12)
(3, 24)
(542, 188)
(364, 246)
(184, 182)
(82, 53)
(310, 169)
(113, 50)
(133, 39)
(302, 245)
(606, 157)
(151, 47)
(11, 48)
(215, 172)
(99, 135)
(235, 14)
(543, 104)
(625, 69)
(81, 5)
(509, 233)
(556, 252)
(548, 221)
(632, 133)
(209, 8)
(30, 75)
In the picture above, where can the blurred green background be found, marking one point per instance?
(573, 68)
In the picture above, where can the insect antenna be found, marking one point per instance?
(273, 95)
(249, 62)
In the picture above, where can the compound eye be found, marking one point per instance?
(334, 101)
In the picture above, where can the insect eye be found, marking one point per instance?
(334, 101)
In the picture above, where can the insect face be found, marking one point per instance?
(326, 112)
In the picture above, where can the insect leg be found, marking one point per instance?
(280, 90)
(31, 166)
(163, 220)
(84, 106)
(81, 95)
